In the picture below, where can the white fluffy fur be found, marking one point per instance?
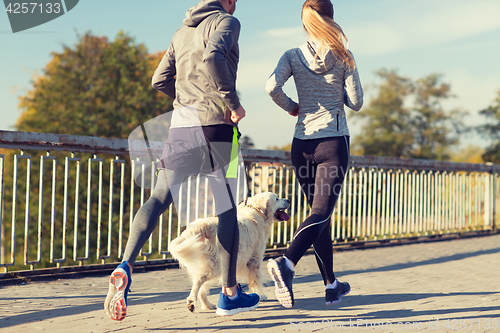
(197, 252)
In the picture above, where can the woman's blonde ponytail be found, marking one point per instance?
(317, 18)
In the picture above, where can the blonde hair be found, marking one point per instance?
(317, 18)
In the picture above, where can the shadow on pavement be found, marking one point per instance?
(98, 305)
(310, 304)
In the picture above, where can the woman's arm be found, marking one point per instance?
(274, 86)
(353, 92)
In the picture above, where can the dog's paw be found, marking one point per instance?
(190, 305)
(263, 297)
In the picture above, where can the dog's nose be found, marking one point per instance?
(287, 201)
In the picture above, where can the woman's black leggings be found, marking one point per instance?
(320, 166)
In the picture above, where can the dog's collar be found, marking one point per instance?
(253, 207)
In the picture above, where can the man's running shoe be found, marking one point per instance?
(119, 285)
(244, 302)
(334, 296)
(282, 276)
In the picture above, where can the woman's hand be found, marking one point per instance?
(295, 112)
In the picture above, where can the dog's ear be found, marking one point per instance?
(265, 204)
(260, 204)
(268, 208)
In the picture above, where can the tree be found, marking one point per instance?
(97, 88)
(422, 129)
(387, 130)
(246, 142)
(287, 147)
(468, 154)
(491, 130)
(436, 130)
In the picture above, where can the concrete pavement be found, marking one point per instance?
(450, 286)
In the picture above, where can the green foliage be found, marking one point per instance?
(287, 147)
(246, 142)
(97, 88)
(422, 129)
(436, 129)
(491, 130)
(387, 130)
(468, 154)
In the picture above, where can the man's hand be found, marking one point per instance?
(295, 112)
(237, 115)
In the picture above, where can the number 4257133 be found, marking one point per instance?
(33, 7)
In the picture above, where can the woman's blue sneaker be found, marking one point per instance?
(119, 285)
(244, 302)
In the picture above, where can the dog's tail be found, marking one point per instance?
(183, 247)
(195, 249)
(189, 248)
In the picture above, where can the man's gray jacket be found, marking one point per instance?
(199, 68)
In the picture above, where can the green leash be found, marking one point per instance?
(232, 170)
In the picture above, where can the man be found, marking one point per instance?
(198, 71)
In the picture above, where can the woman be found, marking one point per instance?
(326, 78)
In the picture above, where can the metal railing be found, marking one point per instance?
(74, 199)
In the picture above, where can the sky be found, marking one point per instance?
(459, 39)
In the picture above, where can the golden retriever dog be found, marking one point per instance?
(197, 252)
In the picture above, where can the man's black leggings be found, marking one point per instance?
(320, 166)
(189, 151)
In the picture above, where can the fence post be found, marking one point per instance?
(494, 173)
(2, 232)
(493, 188)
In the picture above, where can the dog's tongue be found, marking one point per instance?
(283, 216)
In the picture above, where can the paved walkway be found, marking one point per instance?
(451, 286)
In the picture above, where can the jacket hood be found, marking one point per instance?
(195, 15)
(318, 64)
